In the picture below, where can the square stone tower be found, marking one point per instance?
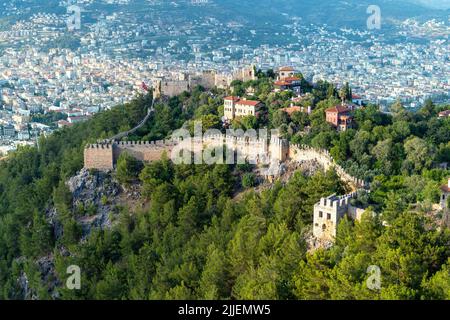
(445, 189)
(329, 212)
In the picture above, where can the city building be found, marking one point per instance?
(356, 99)
(289, 83)
(339, 116)
(285, 72)
(23, 135)
(75, 119)
(9, 131)
(64, 123)
(290, 110)
(237, 107)
(444, 114)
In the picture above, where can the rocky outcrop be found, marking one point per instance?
(96, 193)
(95, 196)
(25, 292)
(46, 266)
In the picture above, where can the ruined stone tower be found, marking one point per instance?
(329, 212)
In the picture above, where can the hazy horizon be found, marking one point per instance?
(439, 4)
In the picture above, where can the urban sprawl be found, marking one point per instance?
(118, 57)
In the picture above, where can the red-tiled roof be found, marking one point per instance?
(445, 188)
(286, 69)
(281, 83)
(234, 98)
(286, 81)
(338, 109)
(243, 102)
(248, 102)
(291, 110)
(64, 123)
(445, 113)
(291, 79)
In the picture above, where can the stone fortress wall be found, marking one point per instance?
(103, 156)
(301, 153)
(99, 156)
(327, 212)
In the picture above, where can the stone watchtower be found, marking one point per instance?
(445, 189)
(104, 156)
(99, 156)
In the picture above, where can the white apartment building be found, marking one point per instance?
(237, 107)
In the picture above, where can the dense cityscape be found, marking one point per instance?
(45, 67)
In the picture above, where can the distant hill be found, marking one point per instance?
(337, 13)
(351, 13)
(437, 4)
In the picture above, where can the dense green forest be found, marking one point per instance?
(196, 241)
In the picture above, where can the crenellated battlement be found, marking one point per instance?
(334, 201)
(327, 212)
(99, 156)
(99, 146)
(104, 154)
(306, 153)
(147, 144)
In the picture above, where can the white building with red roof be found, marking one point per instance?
(444, 114)
(285, 72)
(64, 123)
(357, 99)
(289, 83)
(240, 107)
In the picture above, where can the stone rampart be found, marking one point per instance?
(103, 156)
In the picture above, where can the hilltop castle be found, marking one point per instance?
(178, 82)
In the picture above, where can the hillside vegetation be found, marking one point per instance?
(195, 241)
